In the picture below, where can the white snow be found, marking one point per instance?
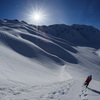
(49, 65)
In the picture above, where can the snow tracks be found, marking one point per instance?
(84, 93)
(51, 91)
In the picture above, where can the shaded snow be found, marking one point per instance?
(48, 65)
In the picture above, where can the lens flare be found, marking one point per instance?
(38, 16)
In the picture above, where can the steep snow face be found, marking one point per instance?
(89, 32)
(48, 64)
(77, 34)
(32, 43)
(29, 53)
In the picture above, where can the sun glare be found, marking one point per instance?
(38, 16)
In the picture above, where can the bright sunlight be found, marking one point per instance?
(38, 16)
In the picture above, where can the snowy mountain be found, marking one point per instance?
(81, 35)
(48, 62)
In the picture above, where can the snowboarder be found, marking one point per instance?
(89, 78)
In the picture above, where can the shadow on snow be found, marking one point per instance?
(98, 92)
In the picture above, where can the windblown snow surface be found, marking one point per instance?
(48, 62)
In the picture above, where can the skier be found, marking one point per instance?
(89, 78)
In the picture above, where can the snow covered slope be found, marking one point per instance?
(81, 35)
(48, 62)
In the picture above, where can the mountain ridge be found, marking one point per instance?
(50, 64)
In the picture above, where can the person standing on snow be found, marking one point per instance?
(89, 78)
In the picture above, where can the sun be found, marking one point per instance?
(38, 16)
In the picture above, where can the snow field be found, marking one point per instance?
(48, 65)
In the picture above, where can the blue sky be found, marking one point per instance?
(56, 11)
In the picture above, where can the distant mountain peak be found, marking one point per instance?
(76, 34)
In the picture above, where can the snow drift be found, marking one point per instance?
(44, 62)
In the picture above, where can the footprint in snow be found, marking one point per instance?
(84, 94)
